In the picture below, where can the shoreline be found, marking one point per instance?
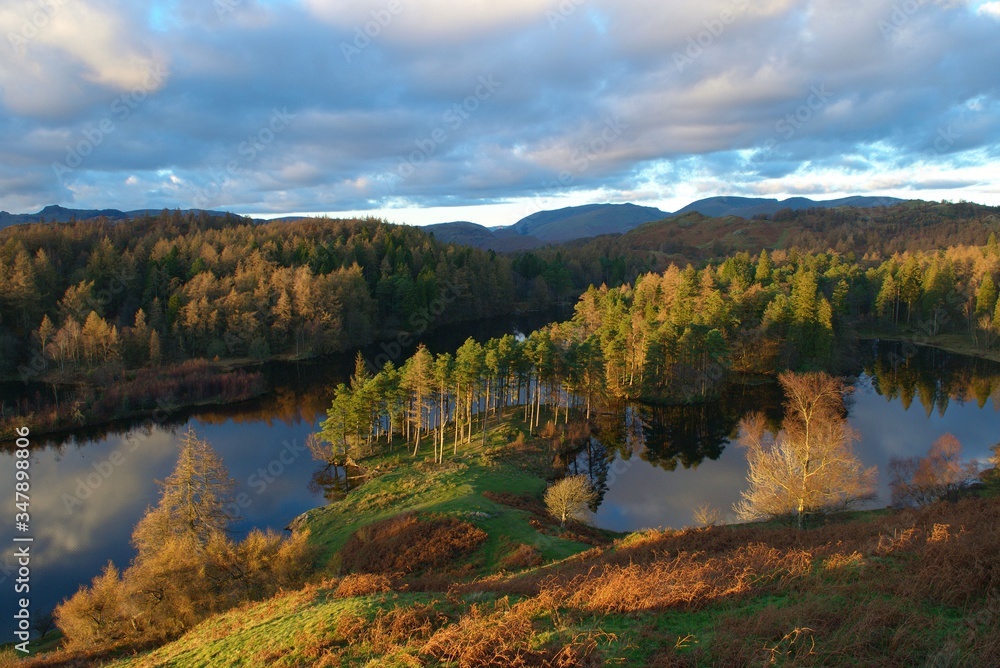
(955, 344)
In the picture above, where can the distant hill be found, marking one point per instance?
(585, 222)
(747, 207)
(591, 220)
(58, 214)
(502, 239)
(547, 227)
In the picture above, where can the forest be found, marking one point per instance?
(666, 312)
(90, 307)
(179, 286)
(175, 287)
(675, 337)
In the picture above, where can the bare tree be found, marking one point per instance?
(568, 498)
(44, 623)
(707, 515)
(809, 466)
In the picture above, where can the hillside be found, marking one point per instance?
(548, 227)
(748, 207)
(877, 588)
(693, 237)
(502, 240)
(585, 221)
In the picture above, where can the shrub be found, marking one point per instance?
(407, 543)
(362, 584)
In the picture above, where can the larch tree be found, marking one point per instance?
(186, 566)
(196, 501)
(809, 466)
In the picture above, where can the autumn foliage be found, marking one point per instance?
(186, 567)
(809, 466)
(408, 543)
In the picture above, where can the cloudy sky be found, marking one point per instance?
(428, 110)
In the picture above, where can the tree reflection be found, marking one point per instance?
(934, 377)
(671, 437)
(334, 482)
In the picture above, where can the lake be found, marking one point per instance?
(655, 466)
(91, 487)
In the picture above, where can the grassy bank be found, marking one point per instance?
(880, 588)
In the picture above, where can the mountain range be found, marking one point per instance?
(591, 220)
(58, 214)
(538, 229)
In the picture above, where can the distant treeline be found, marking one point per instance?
(82, 295)
(877, 233)
(79, 296)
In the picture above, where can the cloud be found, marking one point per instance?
(990, 9)
(710, 98)
(60, 55)
(423, 22)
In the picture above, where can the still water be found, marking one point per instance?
(655, 466)
(90, 488)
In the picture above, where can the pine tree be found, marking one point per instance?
(764, 268)
(443, 369)
(418, 380)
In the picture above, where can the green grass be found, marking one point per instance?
(286, 631)
(831, 606)
(36, 646)
(456, 487)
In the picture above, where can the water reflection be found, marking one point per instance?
(91, 486)
(654, 465)
(334, 481)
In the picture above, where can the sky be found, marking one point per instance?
(423, 111)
